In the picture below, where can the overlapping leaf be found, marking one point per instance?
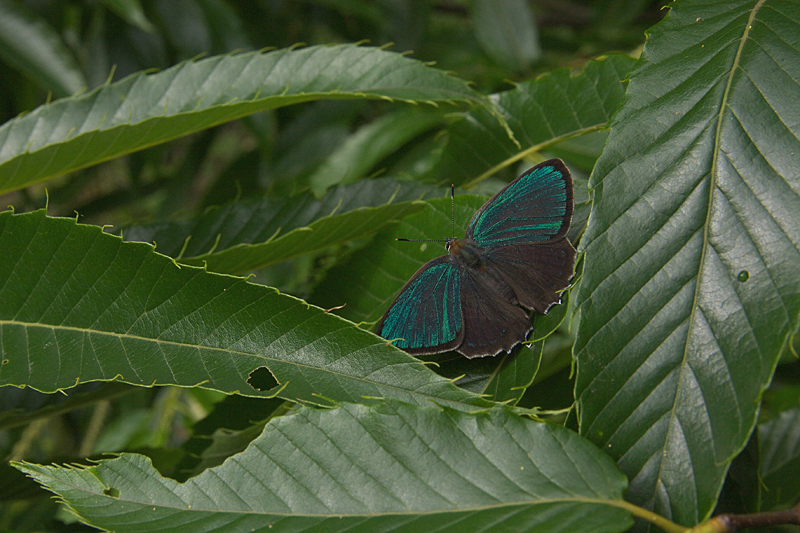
(690, 289)
(393, 467)
(248, 234)
(81, 305)
(143, 110)
(540, 113)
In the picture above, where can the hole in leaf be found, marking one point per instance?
(5, 362)
(261, 379)
(111, 492)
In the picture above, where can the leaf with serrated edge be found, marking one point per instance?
(392, 467)
(147, 109)
(554, 107)
(82, 305)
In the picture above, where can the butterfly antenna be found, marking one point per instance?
(453, 207)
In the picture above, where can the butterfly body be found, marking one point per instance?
(514, 254)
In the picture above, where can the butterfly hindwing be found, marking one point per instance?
(426, 315)
(536, 207)
(492, 320)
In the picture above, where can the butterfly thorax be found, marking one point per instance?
(464, 252)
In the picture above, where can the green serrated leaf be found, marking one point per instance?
(244, 235)
(688, 298)
(393, 467)
(542, 112)
(81, 305)
(147, 109)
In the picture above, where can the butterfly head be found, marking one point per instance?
(464, 252)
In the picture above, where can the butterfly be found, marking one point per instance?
(515, 255)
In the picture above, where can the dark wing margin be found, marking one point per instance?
(535, 207)
(425, 318)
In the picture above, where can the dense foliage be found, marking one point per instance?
(204, 197)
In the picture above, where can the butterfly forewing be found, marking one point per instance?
(426, 315)
(536, 207)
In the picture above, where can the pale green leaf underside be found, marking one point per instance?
(393, 467)
(146, 109)
(81, 305)
(690, 289)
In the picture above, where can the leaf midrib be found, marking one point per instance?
(706, 245)
(85, 331)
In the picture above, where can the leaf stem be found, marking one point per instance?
(728, 523)
(535, 148)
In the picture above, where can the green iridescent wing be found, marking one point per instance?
(426, 315)
(536, 207)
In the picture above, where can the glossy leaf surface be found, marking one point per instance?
(689, 291)
(393, 467)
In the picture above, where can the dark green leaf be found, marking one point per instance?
(779, 440)
(55, 405)
(513, 373)
(393, 467)
(131, 12)
(690, 293)
(541, 112)
(143, 110)
(502, 378)
(245, 235)
(31, 45)
(371, 143)
(81, 305)
(507, 32)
